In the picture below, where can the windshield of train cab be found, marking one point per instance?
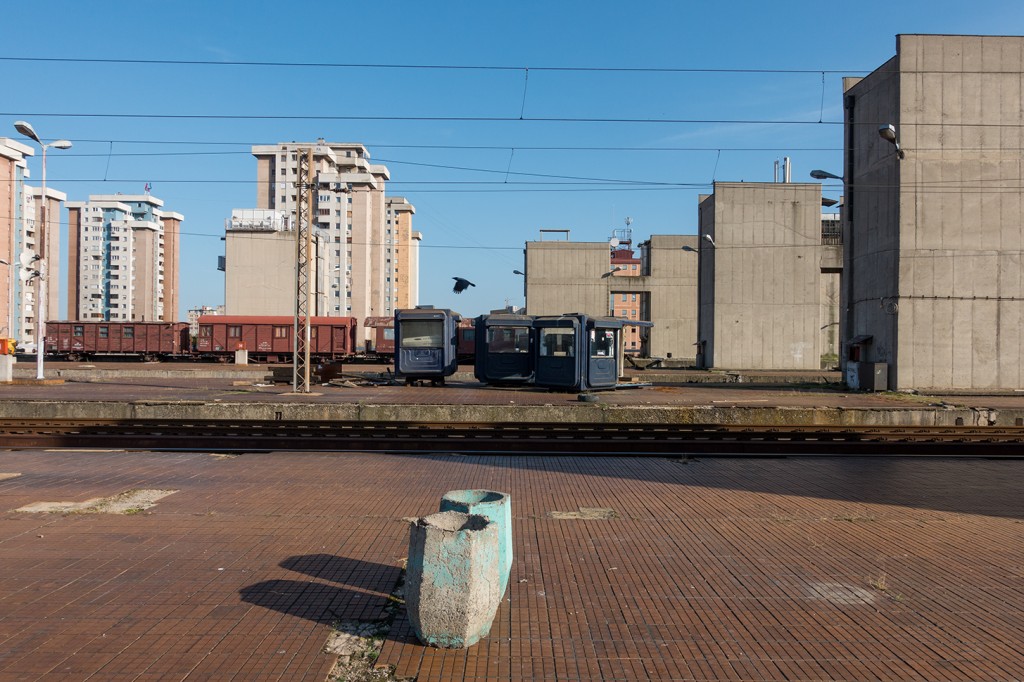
(422, 333)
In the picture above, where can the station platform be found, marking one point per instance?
(362, 393)
(624, 569)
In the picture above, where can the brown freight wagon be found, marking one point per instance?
(81, 340)
(271, 338)
(383, 336)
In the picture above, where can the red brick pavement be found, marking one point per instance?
(767, 569)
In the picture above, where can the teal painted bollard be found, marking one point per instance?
(495, 506)
(452, 578)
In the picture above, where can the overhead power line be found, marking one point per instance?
(448, 119)
(425, 67)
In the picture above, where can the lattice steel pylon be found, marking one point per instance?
(304, 260)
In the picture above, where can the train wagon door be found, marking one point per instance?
(603, 352)
(557, 354)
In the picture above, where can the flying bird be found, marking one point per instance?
(461, 285)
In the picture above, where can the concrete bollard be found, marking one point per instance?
(241, 357)
(6, 368)
(451, 589)
(497, 507)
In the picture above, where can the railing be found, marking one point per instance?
(831, 235)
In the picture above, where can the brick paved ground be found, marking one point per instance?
(766, 569)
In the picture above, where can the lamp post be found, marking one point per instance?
(26, 129)
(9, 328)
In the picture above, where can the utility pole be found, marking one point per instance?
(304, 260)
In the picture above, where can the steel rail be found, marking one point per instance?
(511, 438)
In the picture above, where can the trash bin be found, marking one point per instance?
(452, 578)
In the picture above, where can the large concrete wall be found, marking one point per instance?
(567, 277)
(260, 275)
(937, 262)
(672, 288)
(760, 281)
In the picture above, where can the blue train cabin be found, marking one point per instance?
(504, 349)
(576, 352)
(426, 344)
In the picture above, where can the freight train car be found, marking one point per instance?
(271, 338)
(143, 340)
(383, 343)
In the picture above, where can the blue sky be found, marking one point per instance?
(199, 164)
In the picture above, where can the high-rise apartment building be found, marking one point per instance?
(365, 261)
(21, 240)
(401, 256)
(122, 259)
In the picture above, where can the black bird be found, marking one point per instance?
(461, 284)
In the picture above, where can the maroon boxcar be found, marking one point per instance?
(90, 339)
(271, 338)
(383, 336)
(466, 346)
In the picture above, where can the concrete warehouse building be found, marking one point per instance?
(933, 228)
(768, 283)
(565, 277)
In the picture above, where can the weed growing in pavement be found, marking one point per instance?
(881, 583)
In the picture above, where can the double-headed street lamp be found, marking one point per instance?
(26, 129)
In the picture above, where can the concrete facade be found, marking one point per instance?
(934, 240)
(760, 264)
(260, 273)
(122, 258)
(566, 277)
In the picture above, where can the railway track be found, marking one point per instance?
(678, 440)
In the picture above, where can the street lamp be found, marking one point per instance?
(711, 240)
(824, 175)
(26, 129)
(888, 133)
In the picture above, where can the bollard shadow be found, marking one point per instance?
(338, 589)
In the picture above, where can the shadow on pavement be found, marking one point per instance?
(339, 589)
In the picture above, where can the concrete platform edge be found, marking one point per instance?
(582, 413)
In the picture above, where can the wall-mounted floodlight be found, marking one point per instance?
(888, 133)
(710, 240)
